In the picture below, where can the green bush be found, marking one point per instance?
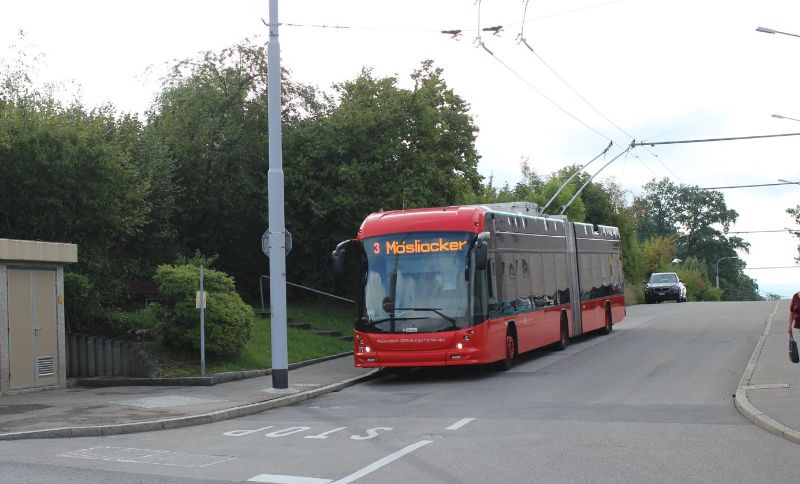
(141, 325)
(228, 320)
(711, 293)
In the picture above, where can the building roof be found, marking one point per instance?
(37, 251)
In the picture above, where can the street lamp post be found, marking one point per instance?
(780, 116)
(721, 258)
(276, 233)
(767, 30)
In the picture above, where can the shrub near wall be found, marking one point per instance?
(228, 320)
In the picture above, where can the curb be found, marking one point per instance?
(189, 420)
(102, 381)
(750, 411)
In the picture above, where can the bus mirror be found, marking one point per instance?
(338, 256)
(481, 255)
(338, 261)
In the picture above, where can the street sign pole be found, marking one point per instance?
(202, 325)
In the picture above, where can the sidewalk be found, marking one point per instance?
(769, 391)
(84, 412)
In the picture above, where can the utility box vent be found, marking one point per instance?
(45, 366)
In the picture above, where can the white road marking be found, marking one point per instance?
(382, 462)
(324, 435)
(766, 386)
(287, 431)
(280, 479)
(371, 433)
(148, 456)
(239, 433)
(460, 423)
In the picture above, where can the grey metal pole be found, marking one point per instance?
(202, 325)
(277, 230)
(721, 258)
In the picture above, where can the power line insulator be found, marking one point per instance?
(495, 30)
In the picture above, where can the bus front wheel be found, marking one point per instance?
(511, 349)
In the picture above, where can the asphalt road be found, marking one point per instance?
(652, 402)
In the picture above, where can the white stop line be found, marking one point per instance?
(280, 479)
(284, 479)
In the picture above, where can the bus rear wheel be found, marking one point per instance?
(563, 341)
(609, 325)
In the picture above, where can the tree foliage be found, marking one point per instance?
(698, 221)
(211, 118)
(86, 177)
(795, 212)
(190, 177)
(380, 147)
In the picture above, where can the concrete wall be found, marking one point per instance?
(91, 356)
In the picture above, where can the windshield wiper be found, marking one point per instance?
(379, 321)
(433, 310)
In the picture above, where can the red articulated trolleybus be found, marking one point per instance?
(478, 284)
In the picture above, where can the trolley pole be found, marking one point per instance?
(277, 230)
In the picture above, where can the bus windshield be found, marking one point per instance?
(415, 283)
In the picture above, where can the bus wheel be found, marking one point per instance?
(609, 326)
(511, 349)
(563, 342)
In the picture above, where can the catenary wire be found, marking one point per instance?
(478, 42)
(688, 126)
(429, 31)
(759, 231)
(709, 140)
(456, 32)
(748, 186)
(523, 40)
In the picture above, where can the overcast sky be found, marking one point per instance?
(656, 70)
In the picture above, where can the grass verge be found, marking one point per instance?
(257, 355)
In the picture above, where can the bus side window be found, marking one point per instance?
(479, 302)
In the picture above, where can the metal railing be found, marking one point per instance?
(315, 291)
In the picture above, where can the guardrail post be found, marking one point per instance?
(108, 360)
(91, 369)
(125, 351)
(83, 365)
(99, 361)
(117, 357)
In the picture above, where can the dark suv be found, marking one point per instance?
(664, 286)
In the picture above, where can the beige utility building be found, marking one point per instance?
(32, 330)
